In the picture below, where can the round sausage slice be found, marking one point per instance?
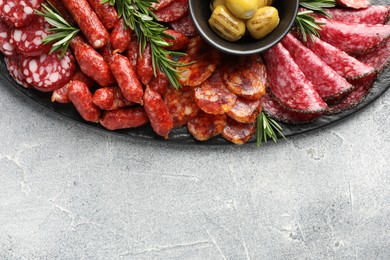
(238, 133)
(206, 126)
(245, 111)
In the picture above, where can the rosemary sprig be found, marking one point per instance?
(267, 128)
(306, 23)
(64, 32)
(138, 15)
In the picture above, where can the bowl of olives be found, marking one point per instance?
(243, 27)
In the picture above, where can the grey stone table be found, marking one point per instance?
(69, 192)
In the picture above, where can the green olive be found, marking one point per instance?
(243, 9)
(263, 22)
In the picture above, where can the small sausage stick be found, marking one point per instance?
(91, 62)
(88, 22)
(106, 13)
(144, 66)
(158, 113)
(110, 98)
(123, 118)
(81, 98)
(61, 95)
(126, 78)
(121, 37)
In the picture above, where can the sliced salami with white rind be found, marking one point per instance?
(6, 47)
(325, 80)
(18, 13)
(14, 69)
(353, 38)
(378, 58)
(345, 65)
(48, 72)
(28, 40)
(289, 84)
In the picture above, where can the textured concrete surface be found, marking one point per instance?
(68, 192)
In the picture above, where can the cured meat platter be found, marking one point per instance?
(108, 79)
(181, 135)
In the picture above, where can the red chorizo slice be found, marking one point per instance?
(238, 133)
(180, 42)
(378, 58)
(18, 13)
(6, 47)
(276, 111)
(106, 13)
(245, 76)
(345, 65)
(123, 118)
(326, 81)
(374, 14)
(185, 25)
(353, 38)
(205, 60)
(88, 22)
(144, 65)
(110, 98)
(245, 110)
(355, 4)
(158, 113)
(15, 70)
(127, 79)
(28, 40)
(48, 72)
(289, 84)
(181, 105)
(362, 88)
(81, 98)
(61, 95)
(206, 126)
(213, 97)
(173, 11)
(91, 62)
(121, 36)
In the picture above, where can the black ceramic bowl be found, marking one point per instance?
(200, 12)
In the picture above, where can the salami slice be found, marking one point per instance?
(346, 66)
(289, 84)
(18, 13)
(123, 118)
(245, 76)
(245, 111)
(353, 38)
(213, 97)
(161, 4)
(238, 133)
(110, 98)
(326, 81)
(14, 69)
(185, 25)
(173, 11)
(158, 113)
(182, 106)
(81, 98)
(48, 72)
(206, 126)
(6, 47)
(205, 60)
(28, 40)
(355, 4)
(273, 109)
(362, 88)
(180, 42)
(374, 14)
(378, 58)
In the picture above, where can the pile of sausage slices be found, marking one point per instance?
(107, 80)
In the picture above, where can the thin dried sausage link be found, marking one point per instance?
(88, 22)
(158, 113)
(121, 36)
(91, 62)
(180, 42)
(123, 118)
(126, 78)
(144, 65)
(81, 98)
(61, 95)
(106, 13)
(110, 98)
